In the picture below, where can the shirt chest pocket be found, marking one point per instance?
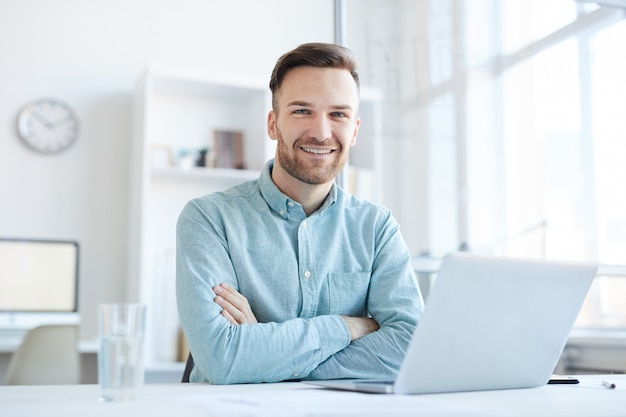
(347, 293)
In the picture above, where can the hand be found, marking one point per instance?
(236, 308)
(360, 326)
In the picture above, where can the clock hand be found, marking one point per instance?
(62, 121)
(42, 119)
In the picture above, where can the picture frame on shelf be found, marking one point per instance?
(161, 156)
(228, 149)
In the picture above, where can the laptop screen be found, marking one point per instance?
(38, 276)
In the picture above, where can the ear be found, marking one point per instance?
(357, 124)
(271, 125)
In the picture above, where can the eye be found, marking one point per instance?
(302, 111)
(339, 114)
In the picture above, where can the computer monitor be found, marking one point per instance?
(38, 281)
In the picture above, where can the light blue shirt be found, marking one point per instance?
(299, 274)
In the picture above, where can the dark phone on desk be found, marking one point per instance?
(560, 379)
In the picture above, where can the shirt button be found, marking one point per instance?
(307, 274)
(304, 224)
(290, 204)
(281, 212)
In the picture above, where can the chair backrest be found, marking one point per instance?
(188, 368)
(48, 355)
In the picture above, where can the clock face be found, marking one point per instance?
(48, 126)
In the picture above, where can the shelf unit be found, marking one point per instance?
(177, 110)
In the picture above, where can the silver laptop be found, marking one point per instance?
(489, 323)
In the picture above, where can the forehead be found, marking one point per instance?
(319, 85)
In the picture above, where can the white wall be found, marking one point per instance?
(90, 54)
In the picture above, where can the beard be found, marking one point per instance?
(307, 171)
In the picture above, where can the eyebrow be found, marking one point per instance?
(307, 104)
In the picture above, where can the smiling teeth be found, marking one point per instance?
(317, 151)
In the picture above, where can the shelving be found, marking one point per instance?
(204, 174)
(177, 111)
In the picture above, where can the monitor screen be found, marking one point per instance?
(39, 276)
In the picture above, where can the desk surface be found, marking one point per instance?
(589, 398)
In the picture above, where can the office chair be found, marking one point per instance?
(188, 368)
(48, 355)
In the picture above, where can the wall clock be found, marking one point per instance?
(48, 126)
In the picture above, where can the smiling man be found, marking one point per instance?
(288, 276)
(315, 123)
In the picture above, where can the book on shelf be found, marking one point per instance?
(228, 149)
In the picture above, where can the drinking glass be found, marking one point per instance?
(121, 328)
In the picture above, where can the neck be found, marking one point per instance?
(310, 196)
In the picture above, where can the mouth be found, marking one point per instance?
(317, 151)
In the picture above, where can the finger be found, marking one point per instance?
(232, 310)
(232, 296)
(235, 303)
(230, 318)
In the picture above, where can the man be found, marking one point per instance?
(288, 276)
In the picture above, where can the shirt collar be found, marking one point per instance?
(282, 204)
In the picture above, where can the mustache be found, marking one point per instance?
(312, 142)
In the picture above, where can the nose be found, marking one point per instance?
(321, 128)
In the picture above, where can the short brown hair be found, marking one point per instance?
(320, 55)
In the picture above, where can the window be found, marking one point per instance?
(546, 144)
(509, 118)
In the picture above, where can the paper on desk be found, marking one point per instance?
(316, 402)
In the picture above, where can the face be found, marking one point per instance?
(315, 123)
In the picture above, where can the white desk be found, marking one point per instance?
(589, 399)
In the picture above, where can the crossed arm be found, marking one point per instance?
(295, 338)
(236, 309)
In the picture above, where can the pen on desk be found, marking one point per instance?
(608, 384)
